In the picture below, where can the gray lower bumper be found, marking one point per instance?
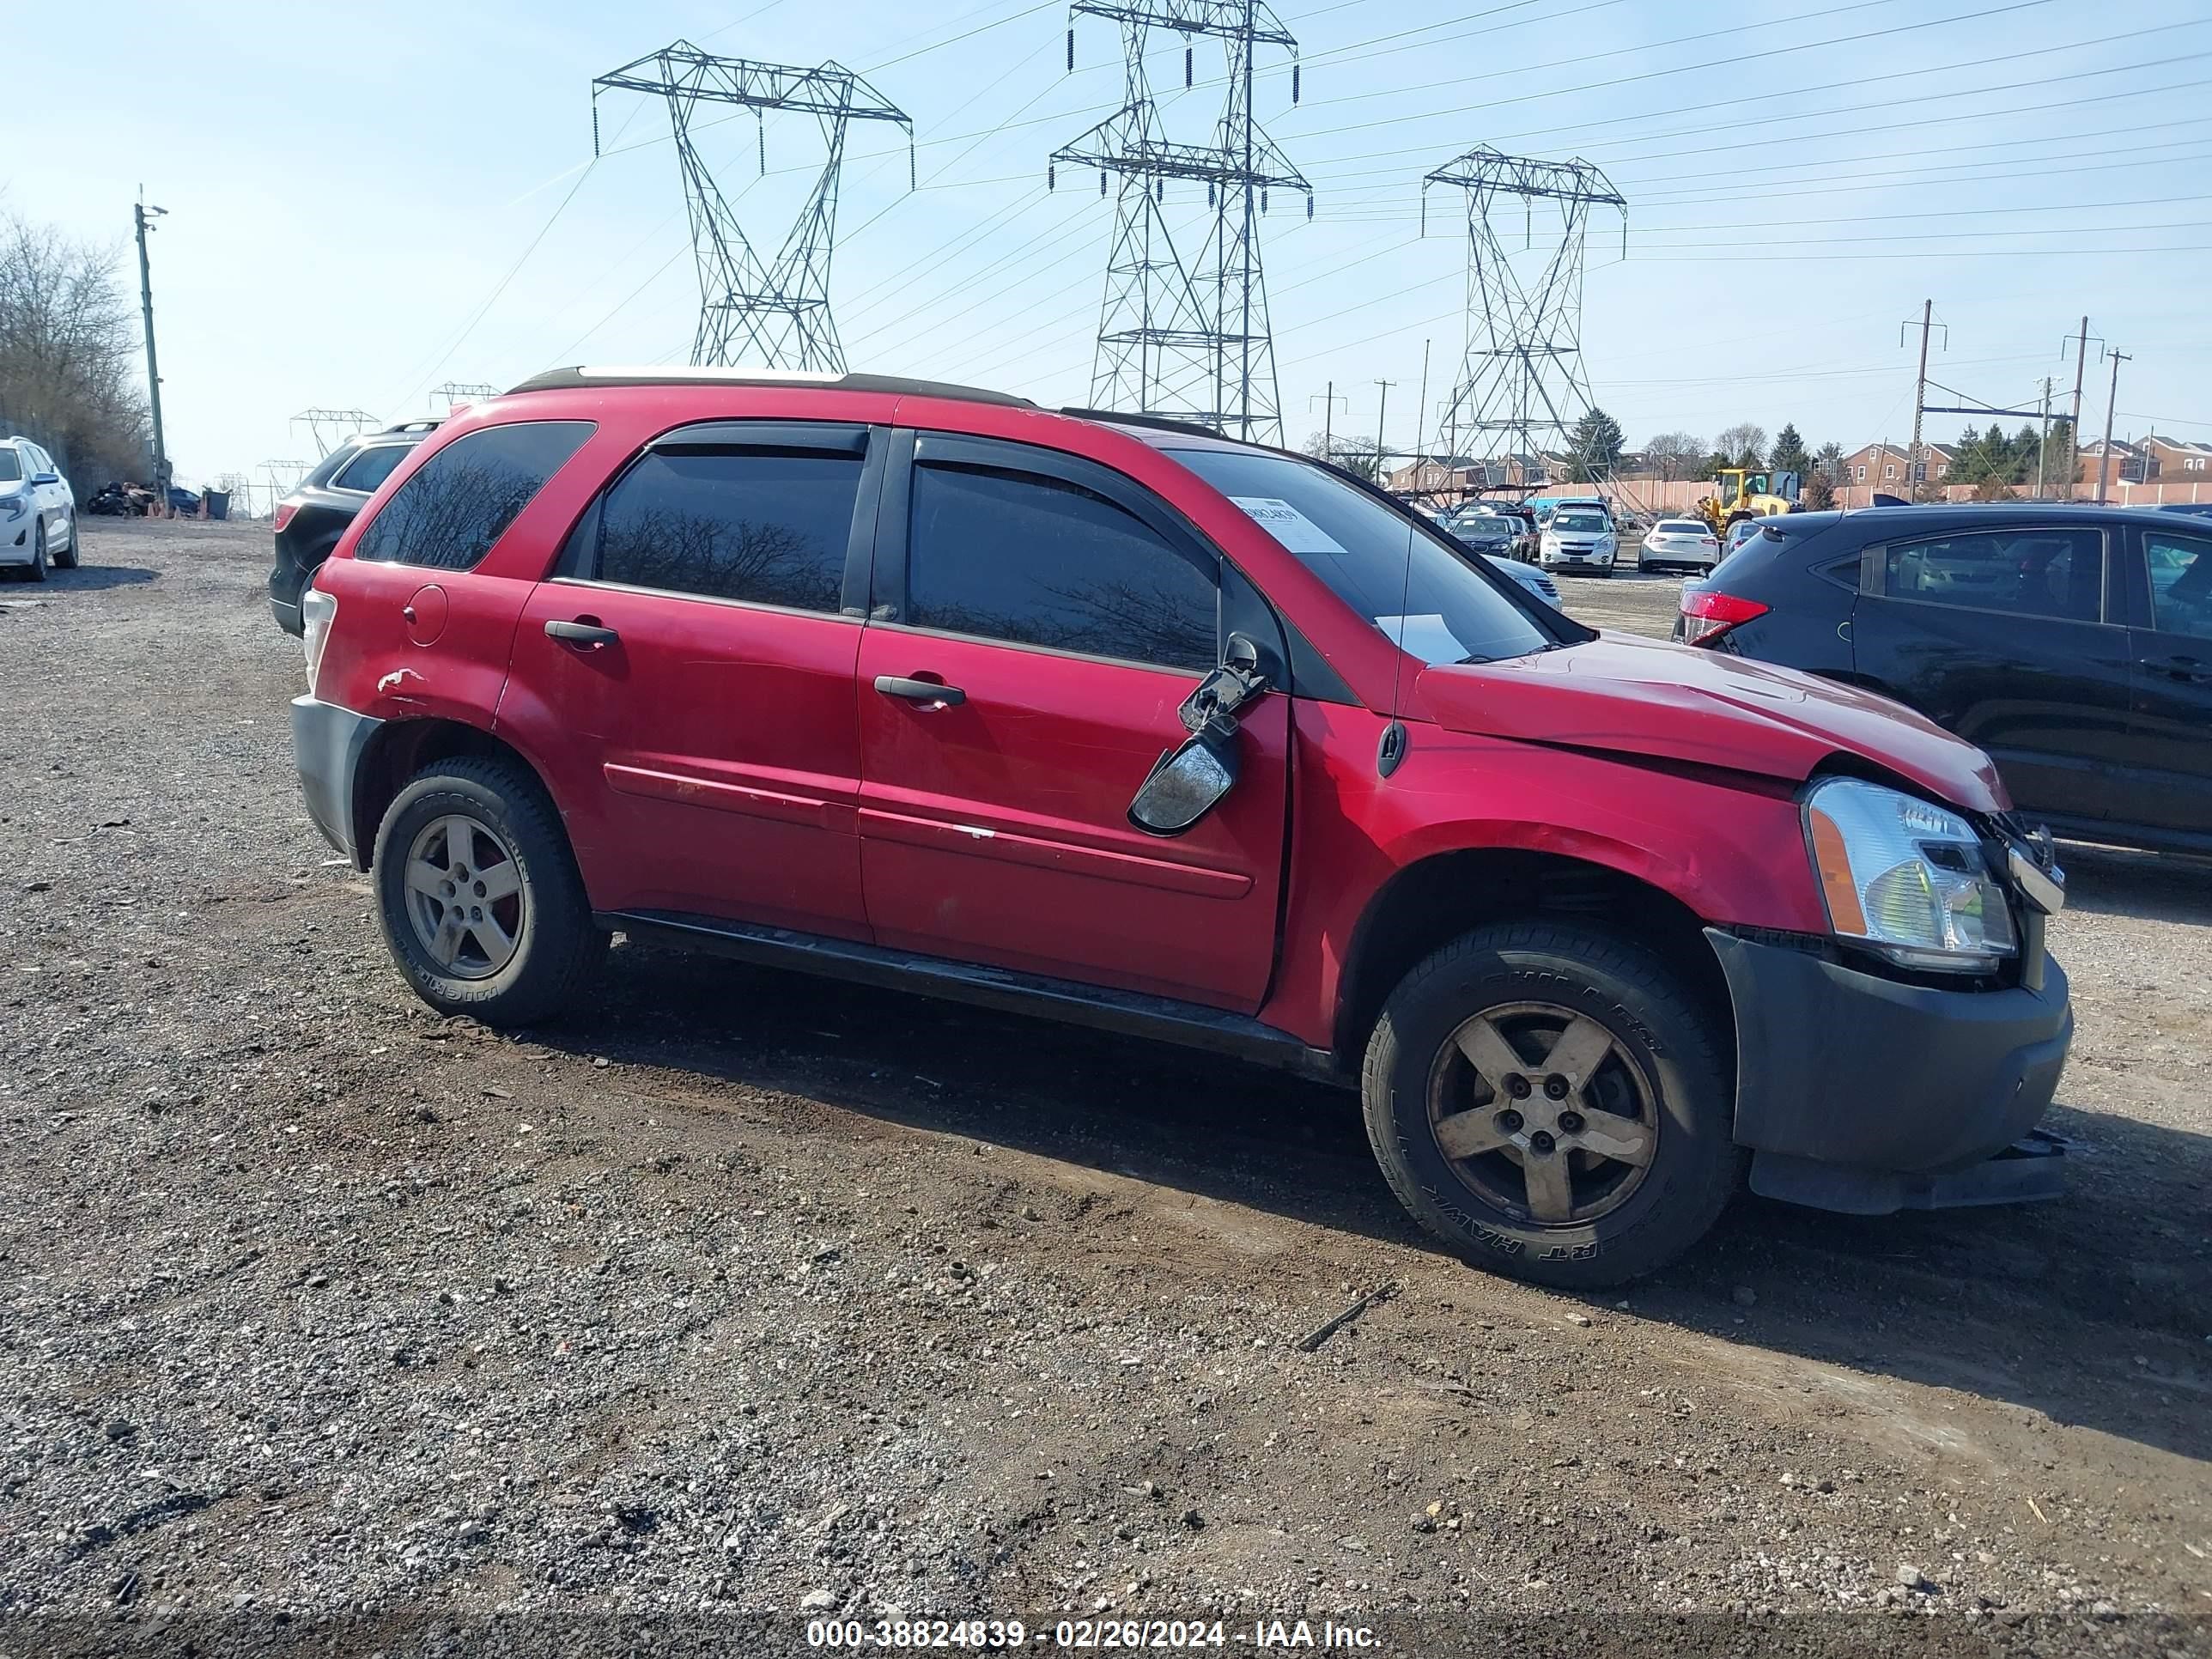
(1862, 1093)
(327, 743)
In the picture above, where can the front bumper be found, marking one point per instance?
(1862, 1094)
(327, 744)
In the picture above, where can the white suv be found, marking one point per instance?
(37, 510)
(1578, 538)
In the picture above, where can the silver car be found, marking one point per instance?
(37, 510)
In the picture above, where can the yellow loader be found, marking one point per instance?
(1745, 494)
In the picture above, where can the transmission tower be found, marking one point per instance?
(766, 316)
(464, 392)
(1178, 336)
(281, 476)
(342, 423)
(1521, 387)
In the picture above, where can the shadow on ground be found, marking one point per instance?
(85, 579)
(2091, 1309)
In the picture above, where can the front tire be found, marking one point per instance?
(1550, 1101)
(39, 551)
(68, 561)
(478, 894)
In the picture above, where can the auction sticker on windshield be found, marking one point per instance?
(1287, 525)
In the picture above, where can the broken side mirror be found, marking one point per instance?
(1186, 783)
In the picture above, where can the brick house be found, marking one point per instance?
(1884, 465)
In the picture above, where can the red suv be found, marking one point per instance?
(1114, 720)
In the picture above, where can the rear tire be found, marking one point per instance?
(478, 894)
(1526, 1189)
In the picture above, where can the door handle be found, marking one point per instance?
(2184, 669)
(930, 693)
(583, 631)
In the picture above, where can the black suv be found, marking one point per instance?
(310, 520)
(2073, 643)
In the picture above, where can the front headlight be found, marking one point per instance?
(12, 506)
(1607, 543)
(1906, 878)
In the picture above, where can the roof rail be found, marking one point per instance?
(1161, 422)
(581, 376)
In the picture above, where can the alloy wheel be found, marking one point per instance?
(1544, 1112)
(465, 897)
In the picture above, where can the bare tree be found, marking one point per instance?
(1744, 444)
(69, 349)
(1675, 455)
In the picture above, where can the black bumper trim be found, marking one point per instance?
(2030, 1169)
(1839, 1067)
(327, 743)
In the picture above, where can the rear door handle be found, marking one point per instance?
(590, 634)
(929, 693)
(2185, 669)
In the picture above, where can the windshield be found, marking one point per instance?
(1382, 562)
(11, 467)
(1566, 520)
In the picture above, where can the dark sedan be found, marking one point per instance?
(2073, 643)
(310, 520)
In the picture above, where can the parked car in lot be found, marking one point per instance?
(2195, 510)
(2073, 643)
(1579, 537)
(1680, 545)
(1504, 531)
(1534, 581)
(309, 521)
(1127, 724)
(38, 512)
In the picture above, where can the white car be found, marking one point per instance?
(1579, 539)
(37, 510)
(1681, 544)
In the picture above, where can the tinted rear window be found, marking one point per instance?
(764, 526)
(451, 510)
(371, 467)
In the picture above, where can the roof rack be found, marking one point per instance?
(655, 374)
(421, 423)
(1161, 422)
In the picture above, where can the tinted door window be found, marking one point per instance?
(767, 526)
(1011, 556)
(11, 465)
(2180, 583)
(454, 506)
(371, 467)
(2026, 573)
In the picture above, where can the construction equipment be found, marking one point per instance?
(1746, 494)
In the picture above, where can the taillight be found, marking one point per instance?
(318, 610)
(1706, 614)
(284, 512)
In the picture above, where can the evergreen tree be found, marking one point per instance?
(1595, 444)
(1789, 455)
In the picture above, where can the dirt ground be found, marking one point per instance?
(743, 1299)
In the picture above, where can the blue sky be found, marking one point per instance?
(366, 203)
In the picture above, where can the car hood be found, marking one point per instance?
(1638, 696)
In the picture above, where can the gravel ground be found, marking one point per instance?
(746, 1297)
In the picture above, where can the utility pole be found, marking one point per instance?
(140, 213)
(2043, 440)
(2104, 455)
(1381, 409)
(1329, 400)
(2081, 344)
(1919, 395)
(1420, 404)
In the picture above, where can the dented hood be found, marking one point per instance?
(1637, 696)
